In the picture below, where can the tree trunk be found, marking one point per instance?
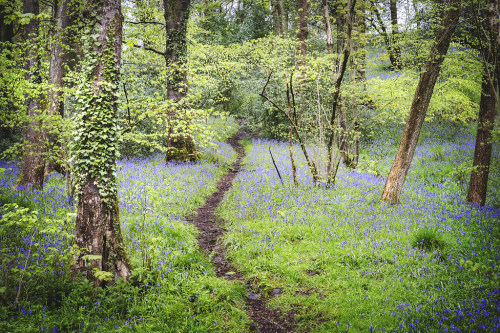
(56, 69)
(396, 50)
(302, 31)
(6, 29)
(176, 19)
(360, 45)
(181, 147)
(328, 29)
(97, 227)
(33, 164)
(383, 32)
(56, 74)
(336, 104)
(421, 100)
(278, 17)
(341, 23)
(478, 184)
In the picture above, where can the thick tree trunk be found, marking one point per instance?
(396, 50)
(421, 100)
(302, 32)
(478, 184)
(328, 29)
(33, 164)
(181, 147)
(97, 227)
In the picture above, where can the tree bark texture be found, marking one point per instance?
(396, 50)
(181, 147)
(336, 104)
(97, 227)
(328, 28)
(58, 48)
(6, 29)
(478, 184)
(421, 100)
(176, 19)
(33, 164)
(56, 69)
(278, 17)
(360, 45)
(302, 31)
(340, 21)
(383, 32)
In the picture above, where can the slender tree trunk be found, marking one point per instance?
(6, 29)
(383, 32)
(278, 17)
(421, 100)
(396, 50)
(478, 184)
(328, 29)
(284, 17)
(33, 164)
(360, 45)
(56, 75)
(336, 104)
(97, 226)
(302, 31)
(181, 146)
(176, 19)
(340, 21)
(56, 69)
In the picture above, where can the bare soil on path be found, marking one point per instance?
(211, 229)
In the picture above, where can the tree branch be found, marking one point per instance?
(146, 22)
(147, 49)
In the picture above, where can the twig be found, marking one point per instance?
(275, 166)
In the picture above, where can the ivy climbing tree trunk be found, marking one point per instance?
(421, 100)
(488, 107)
(97, 229)
(33, 164)
(181, 145)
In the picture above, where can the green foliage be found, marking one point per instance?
(428, 239)
(28, 268)
(95, 140)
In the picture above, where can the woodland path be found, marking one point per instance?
(211, 229)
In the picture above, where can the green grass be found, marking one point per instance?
(346, 261)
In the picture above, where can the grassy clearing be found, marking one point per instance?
(347, 262)
(174, 287)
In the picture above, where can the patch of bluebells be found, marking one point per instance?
(154, 199)
(344, 233)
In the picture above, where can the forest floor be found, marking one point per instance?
(212, 229)
(225, 245)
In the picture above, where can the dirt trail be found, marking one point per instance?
(211, 228)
